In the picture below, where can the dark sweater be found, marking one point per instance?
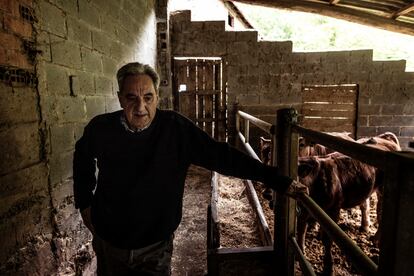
(138, 196)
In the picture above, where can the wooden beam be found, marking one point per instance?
(333, 2)
(404, 10)
(339, 12)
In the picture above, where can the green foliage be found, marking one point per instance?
(311, 32)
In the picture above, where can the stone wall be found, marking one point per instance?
(263, 76)
(74, 48)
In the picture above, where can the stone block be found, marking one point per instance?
(62, 138)
(246, 36)
(17, 105)
(52, 19)
(366, 131)
(361, 56)
(271, 98)
(248, 99)
(116, 51)
(20, 147)
(362, 121)
(100, 42)
(49, 107)
(61, 167)
(94, 106)
(57, 78)
(16, 186)
(214, 26)
(394, 66)
(43, 45)
(69, 6)
(110, 66)
(112, 104)
(369, 109)
(393, 129)
(91, 60)
(407, 131)
(29, 219)
(103, 85)
(392, 109)
(62, 193)
(79, 31)
(110, 27)
(181, 16)
(66, 53)
(89, 13)
(86, 82)
(78, 128)
(71, 109)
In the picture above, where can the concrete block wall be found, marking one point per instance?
(77, 46)
(263, 76)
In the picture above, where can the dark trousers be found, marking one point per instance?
(154, 259)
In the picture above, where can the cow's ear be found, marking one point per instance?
(305, 168)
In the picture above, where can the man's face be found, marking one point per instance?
(139, 100)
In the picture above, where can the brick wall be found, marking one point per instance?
(25, 221)
(264, 76)
(76, 48)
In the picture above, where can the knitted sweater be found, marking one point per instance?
(136, 199)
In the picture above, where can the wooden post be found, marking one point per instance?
(397, 227)
(285, 207)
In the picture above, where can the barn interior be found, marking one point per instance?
(58, 61)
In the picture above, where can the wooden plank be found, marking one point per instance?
(331, 106)
(328, 113)
(328, 96)
(404, 10)
(192, 85)
(208, 99)
(185, 100)
(265, 234)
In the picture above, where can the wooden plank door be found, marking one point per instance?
(330, 108)
(198, 93)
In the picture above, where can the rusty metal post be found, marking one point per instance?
(285, 207)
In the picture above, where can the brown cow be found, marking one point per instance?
(335, 182)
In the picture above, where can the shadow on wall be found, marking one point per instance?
(81, 44)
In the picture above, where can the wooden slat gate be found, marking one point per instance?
(330, 108)
(199, 95)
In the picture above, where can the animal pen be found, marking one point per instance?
(279, 257)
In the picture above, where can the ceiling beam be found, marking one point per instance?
(345, 13)
(404, 10)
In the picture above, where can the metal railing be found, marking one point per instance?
(285, 147)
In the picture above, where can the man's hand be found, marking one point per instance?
(296, 188)
(86, 217)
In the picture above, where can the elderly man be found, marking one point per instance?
(143, 154)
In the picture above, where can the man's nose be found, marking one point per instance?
(140, 104)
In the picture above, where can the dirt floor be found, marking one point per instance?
(190, 242)
(190, 254)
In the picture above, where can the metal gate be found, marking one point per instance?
(198, 94)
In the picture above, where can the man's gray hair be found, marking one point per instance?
(136, 68)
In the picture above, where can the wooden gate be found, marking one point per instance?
(198, 94)
(330, 108)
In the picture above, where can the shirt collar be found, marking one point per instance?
(127, 128)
